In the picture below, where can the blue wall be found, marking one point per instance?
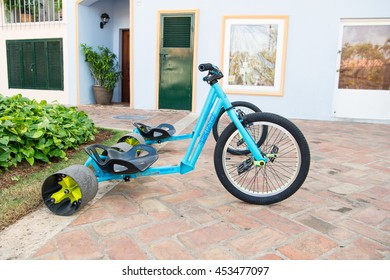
(312, 46)
(90, 33)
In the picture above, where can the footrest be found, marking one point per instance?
(164, 130)
(112, 160)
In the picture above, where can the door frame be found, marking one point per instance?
(122, 59)
(194, 59)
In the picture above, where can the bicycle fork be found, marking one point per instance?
(258, 158)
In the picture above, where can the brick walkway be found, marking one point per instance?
(341, 212)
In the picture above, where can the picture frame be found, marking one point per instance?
(254, 54)
(364, 55)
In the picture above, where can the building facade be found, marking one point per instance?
(324, 60)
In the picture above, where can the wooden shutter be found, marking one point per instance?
(14, 63)
(28, 64)
(54, 64)
(40, 68)
(35, 64)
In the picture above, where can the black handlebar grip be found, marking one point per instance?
(205, 67)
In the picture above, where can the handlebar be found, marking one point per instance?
(214, 73)
(205, 67)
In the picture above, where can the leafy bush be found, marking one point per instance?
(39, 131)
(103, 65)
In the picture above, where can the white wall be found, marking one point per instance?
(311, 48)
(64, 30)
(312, 44)
(33, 31)
(70, 47)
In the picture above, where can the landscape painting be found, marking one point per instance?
(365, 57)
(254, 54)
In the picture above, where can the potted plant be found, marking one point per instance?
(104, 68)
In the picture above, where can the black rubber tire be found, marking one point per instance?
(122, 146)
(217, 129)
(82, 179)
(258, 190)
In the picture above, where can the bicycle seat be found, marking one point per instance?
(112, 160)
(164, 130)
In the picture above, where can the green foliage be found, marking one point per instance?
(362, 51)
(33, 131)
(23, 6)
(363, 66)
(104, 66)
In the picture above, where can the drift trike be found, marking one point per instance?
(260, 158)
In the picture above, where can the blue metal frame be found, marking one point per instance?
(216, 99)
(169, 139)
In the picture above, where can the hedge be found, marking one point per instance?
(31, 130)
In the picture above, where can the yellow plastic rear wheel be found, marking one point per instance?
(132, 139)
(70, 190)
(66, 191)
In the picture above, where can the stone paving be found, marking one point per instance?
(341, 212)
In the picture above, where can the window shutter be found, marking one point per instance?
(28, 65)
(14, 61)
(35, 64)
(177, 32)
(40, 69)
(54, 64)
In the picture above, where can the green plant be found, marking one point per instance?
(39, 131)
(103, 65)
(57, 6)
(25, 7)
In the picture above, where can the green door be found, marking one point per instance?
(176, 61)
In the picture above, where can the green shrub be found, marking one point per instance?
(39, 131)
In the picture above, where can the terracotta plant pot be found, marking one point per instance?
(102, 96)
(26, 18)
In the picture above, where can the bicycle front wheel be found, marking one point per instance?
(288, 161)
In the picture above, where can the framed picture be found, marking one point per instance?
(365, 55)
(362, 88)
(254, 54)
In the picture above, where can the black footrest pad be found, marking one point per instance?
(161, 131)
(111, 160)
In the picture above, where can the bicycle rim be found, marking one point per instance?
(277, 175)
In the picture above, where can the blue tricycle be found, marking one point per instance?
(260, 158)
